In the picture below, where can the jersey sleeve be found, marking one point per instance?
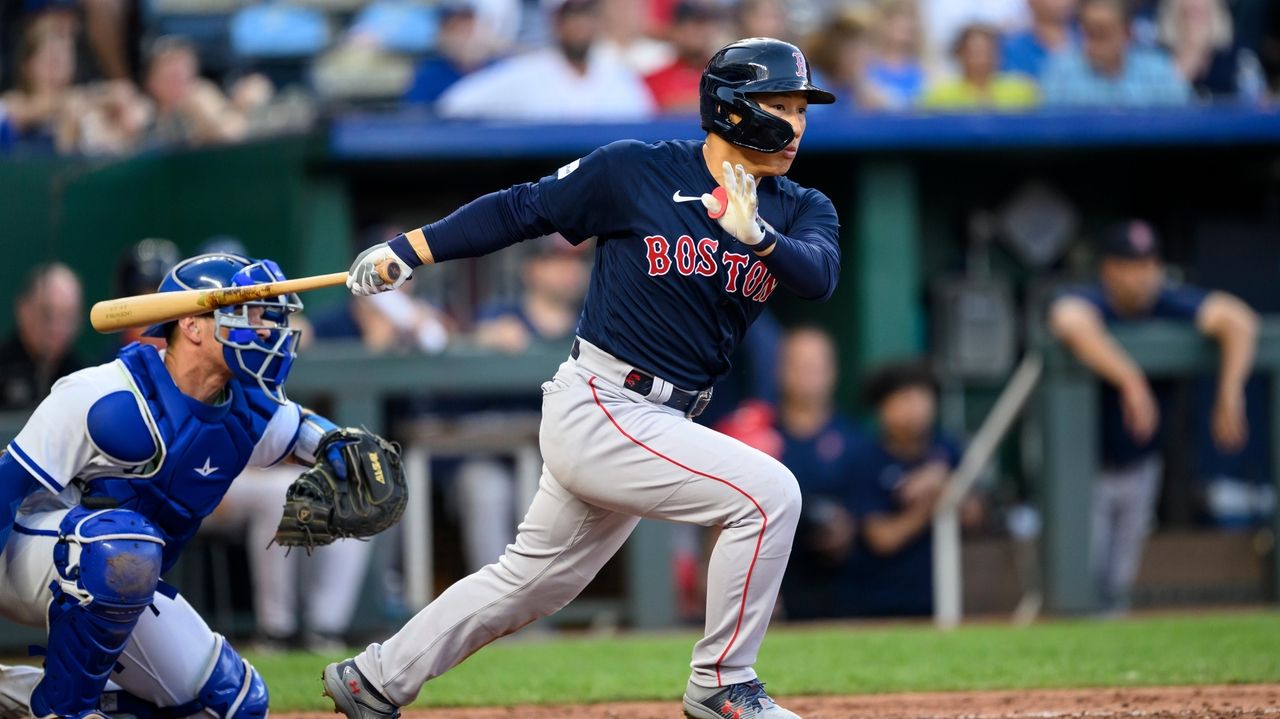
(806, 259)
(581, 199)
(54, 444)
(280, 434)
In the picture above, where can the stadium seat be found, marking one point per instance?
(276, 30)
(278, 40)
(400, 26)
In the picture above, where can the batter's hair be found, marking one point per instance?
(893, 377)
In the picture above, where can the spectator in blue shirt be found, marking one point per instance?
(895, 72)
(460, 50)
(1109, 71)
(897, 480)
(1132, 288)
(1051, 33)
(818, 445)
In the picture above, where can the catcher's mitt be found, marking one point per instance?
(322, 506)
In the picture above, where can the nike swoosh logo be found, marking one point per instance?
(677, 197)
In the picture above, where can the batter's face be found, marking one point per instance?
(792, 107)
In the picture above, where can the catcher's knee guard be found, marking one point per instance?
(108, 564)
(232, 688)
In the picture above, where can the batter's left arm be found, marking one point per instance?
(806, 261)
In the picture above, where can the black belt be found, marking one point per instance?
(691, 404)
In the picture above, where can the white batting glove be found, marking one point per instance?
(739, 218)
(377, 269)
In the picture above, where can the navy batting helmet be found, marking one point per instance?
(752, 66)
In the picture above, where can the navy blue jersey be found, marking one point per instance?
(814, 586)
(901, 583)
(671, 292)
(1119, 449)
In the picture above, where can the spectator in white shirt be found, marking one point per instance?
(568, 82)
(623, 27)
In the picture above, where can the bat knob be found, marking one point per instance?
(388, 272)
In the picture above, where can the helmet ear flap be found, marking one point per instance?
(754, 129)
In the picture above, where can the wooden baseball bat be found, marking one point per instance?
(143, 310)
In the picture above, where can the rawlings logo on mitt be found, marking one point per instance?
(356, 489)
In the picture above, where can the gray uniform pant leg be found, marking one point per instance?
(1123, 510)
(611, 458)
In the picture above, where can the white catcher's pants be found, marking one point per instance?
(167, 654)
(610, 458)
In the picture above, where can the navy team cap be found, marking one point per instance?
(1130, 240)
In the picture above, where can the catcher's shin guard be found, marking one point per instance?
(108, 564)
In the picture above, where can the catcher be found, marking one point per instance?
(112, 475)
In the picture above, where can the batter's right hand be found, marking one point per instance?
(377, 269)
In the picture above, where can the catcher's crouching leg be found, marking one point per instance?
(232, 688)
(108, 564)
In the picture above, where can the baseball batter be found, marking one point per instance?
(689, 247)
(110, 478)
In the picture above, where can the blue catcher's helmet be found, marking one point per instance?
(257, 342)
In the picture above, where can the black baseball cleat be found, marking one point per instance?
(352, 695)
(747, 700)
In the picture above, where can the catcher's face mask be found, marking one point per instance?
(258, 343)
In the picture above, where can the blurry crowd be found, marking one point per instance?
(110, 77)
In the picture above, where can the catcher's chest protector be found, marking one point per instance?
(201, 448)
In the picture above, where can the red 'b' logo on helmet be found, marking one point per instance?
(802, 68)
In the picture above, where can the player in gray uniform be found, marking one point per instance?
(678, 279)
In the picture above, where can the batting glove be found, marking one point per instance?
(377, 269)
(738, 213)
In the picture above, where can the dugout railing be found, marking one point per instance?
(1064, 420)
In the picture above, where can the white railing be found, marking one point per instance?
(947, 580)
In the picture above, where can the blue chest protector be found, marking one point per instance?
(204, 448)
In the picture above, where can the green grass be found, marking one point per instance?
(1232, 648)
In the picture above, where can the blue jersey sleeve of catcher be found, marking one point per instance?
(15, 484)
(576, 200)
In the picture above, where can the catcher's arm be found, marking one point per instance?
(355, 488)
(311, 431)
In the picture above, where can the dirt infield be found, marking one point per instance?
(1237, 702)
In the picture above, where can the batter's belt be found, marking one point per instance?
(653, 389)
